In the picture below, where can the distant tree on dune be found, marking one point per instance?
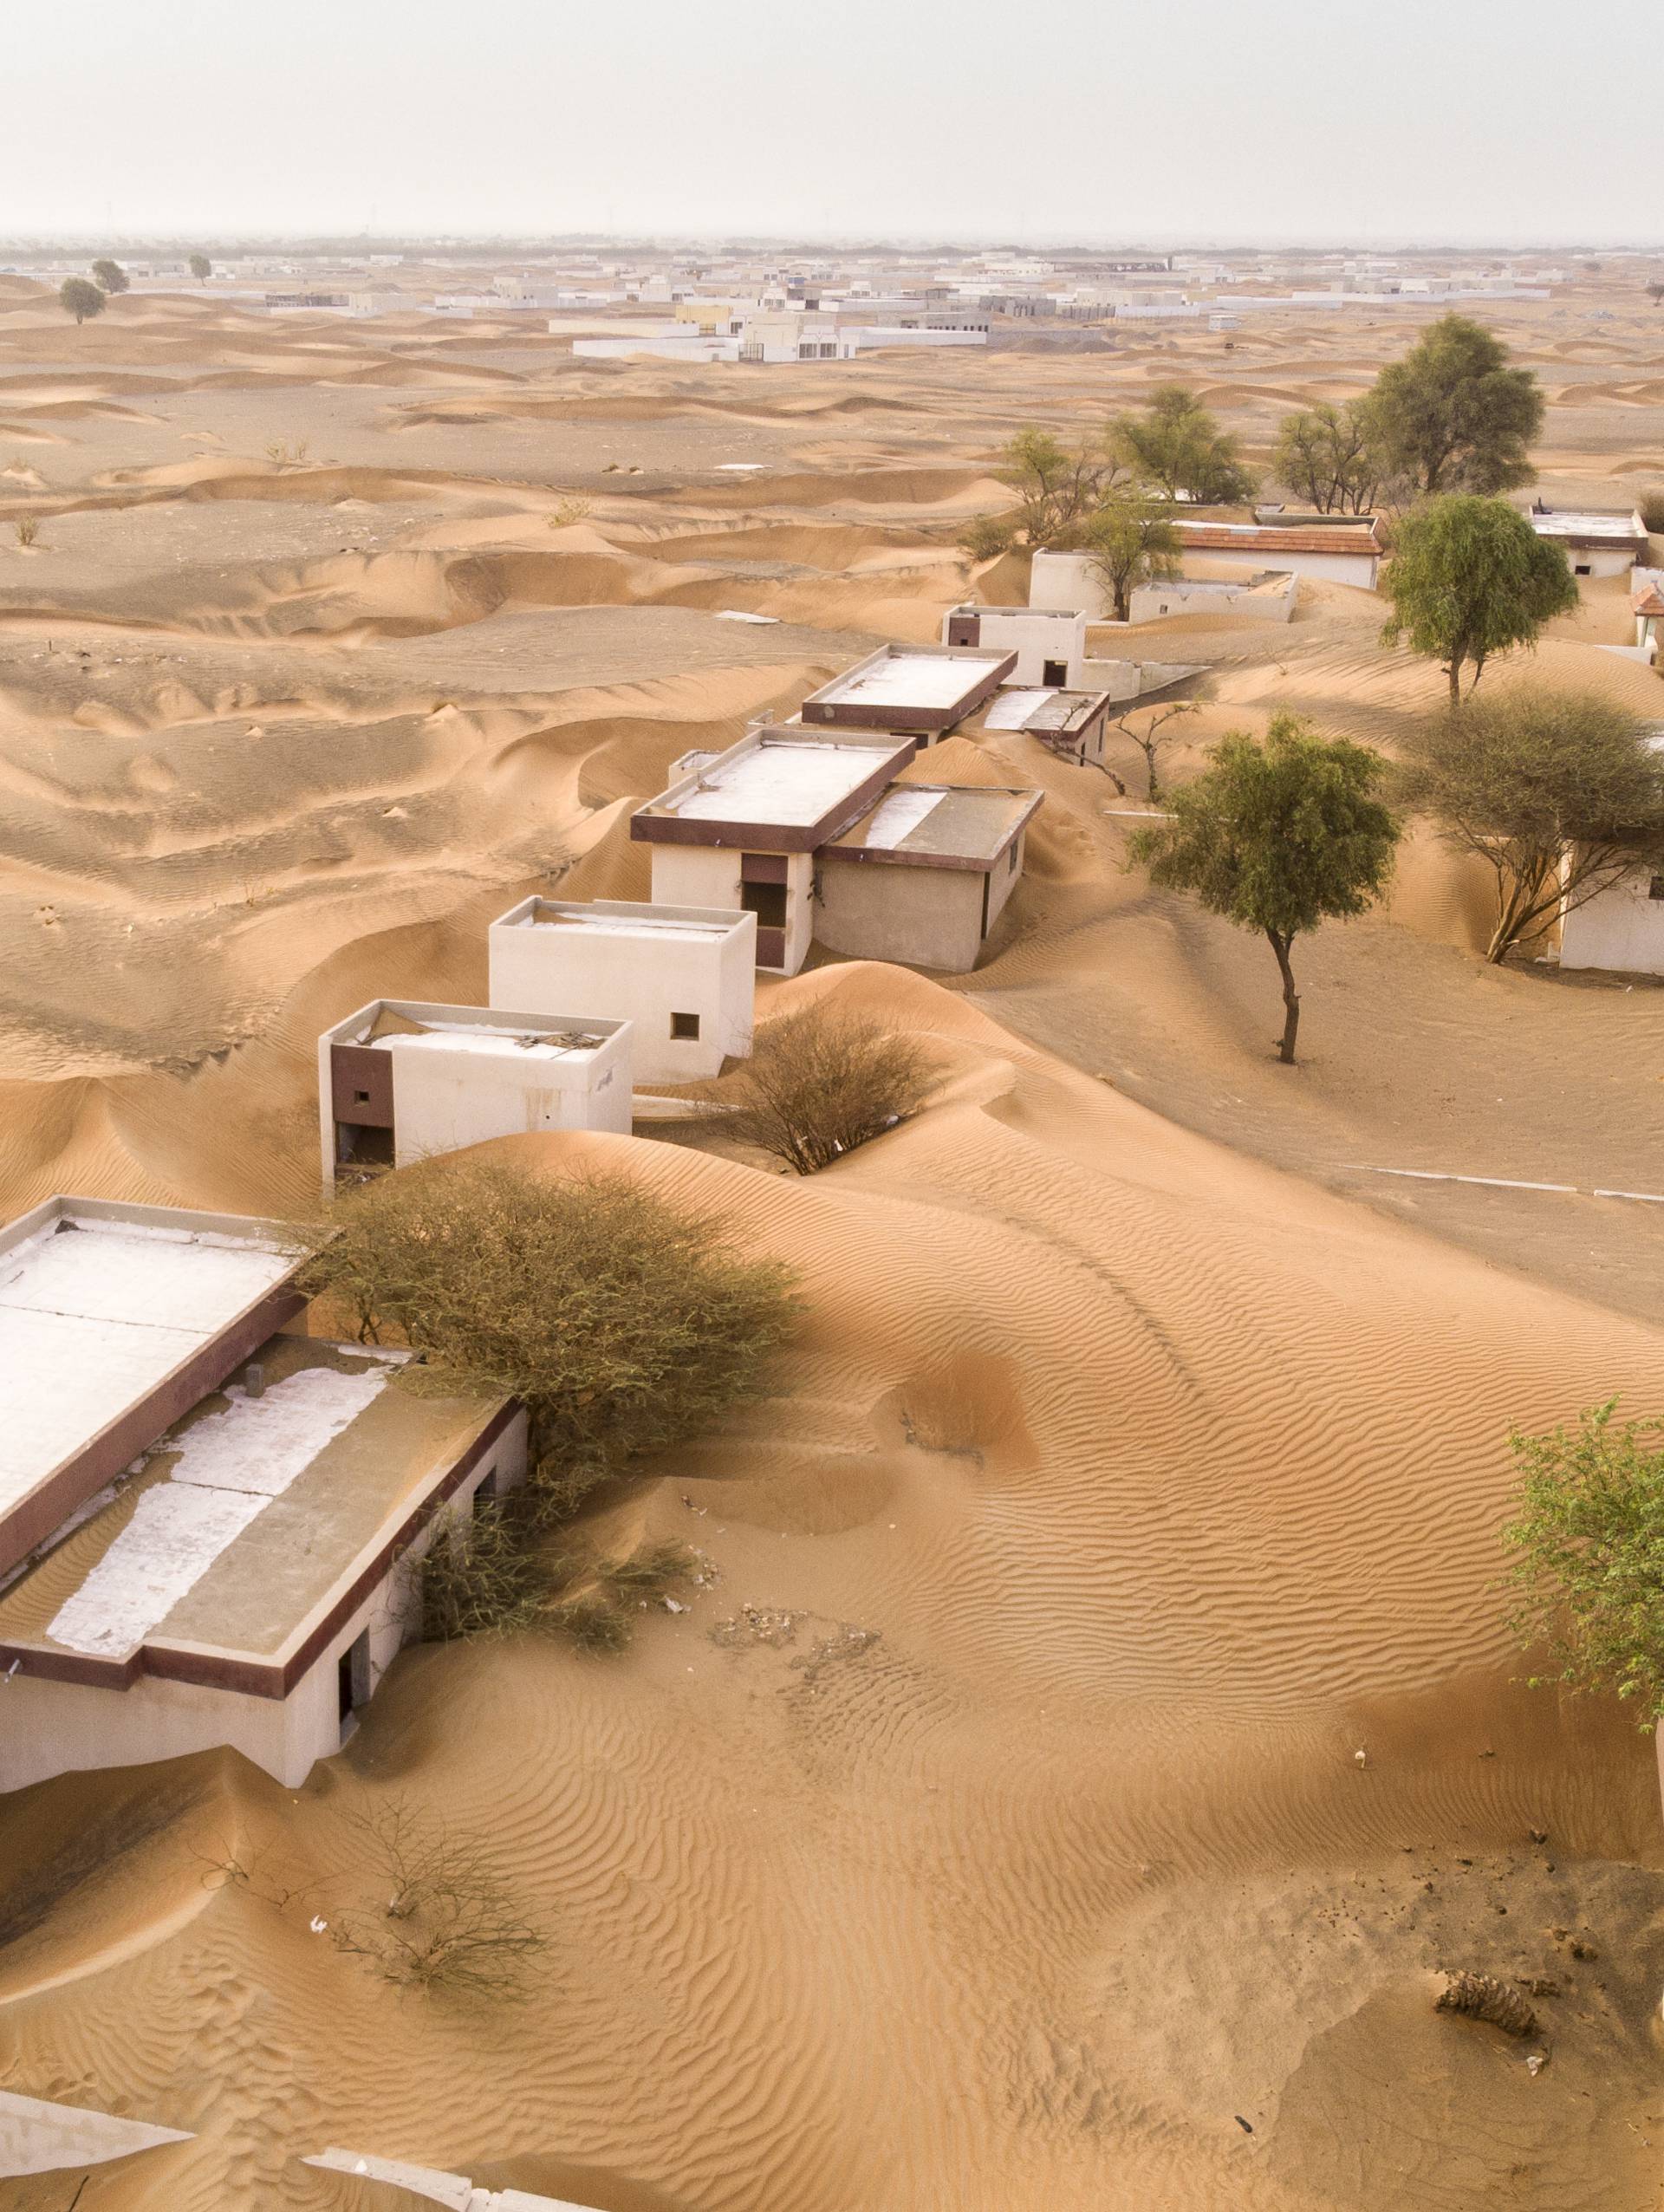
(77, 297)
(1470, 577)
(1177, 447)
(110, 275)
(1058, 487)
(1332, 457)
(201, 268)
(1452, 416)
(1131, 541)
(1587, 1564)
(1278, 837)
(1560, 794)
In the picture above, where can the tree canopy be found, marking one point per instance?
(1469, 577)
(1131, 541)
(1278, 837)
(1587, 1562)
(110, 275)
(1453, 416)
(1058, 487)
(1560, 794)
(621, 1322)
(1332, 456)
(77, 297)
(1176, 445)
(201, 268)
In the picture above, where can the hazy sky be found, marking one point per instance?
(1172, 121)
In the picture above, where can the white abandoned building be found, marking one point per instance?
(807, 833)
(207, 1522)
(1596, 541)
(1060, 582)
(402, 1079)
(919, 691)
(683, 977)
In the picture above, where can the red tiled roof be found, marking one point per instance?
(1213, 538)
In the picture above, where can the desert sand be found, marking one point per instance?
(1141, 1458)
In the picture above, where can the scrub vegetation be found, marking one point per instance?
(821, 1083)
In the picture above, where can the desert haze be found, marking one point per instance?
(1096, 1728)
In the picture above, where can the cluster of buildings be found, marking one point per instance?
(210, 1523)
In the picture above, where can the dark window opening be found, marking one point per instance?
(358, 1146)
(353, 1678)
(1055, 674)
(1583, 568)
(361, 1098)
(767, 902)
(685, 1026)
(1655, 888)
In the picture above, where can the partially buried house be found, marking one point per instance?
(402, 1079)
(684, 977)
(811, 833)
(208, 1522)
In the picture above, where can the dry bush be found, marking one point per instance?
(594, 1623)
(621, 1323)
(28, 528)
(483, 1574)
(1480, 1996)
(285, 454)
(450, 1922)
(821, 1083)
(569, 511)
(653, 1570)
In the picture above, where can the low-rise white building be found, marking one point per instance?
(1621, 927)
(683, 977)
(1596, 541)
(1050, 642)
(400, 1080)
(922, 691)
(1335, 552)
(810, 831)
(208, 1525)
(1068, 581)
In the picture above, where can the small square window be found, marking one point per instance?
(361, 1098)
(685, 1026)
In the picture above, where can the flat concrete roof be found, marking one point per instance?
(246, 1522)
(1054, 710)
(101, 1306)
(1603, 525)
(628, 918)
(938, 825)
(1039, 614)
(906, 675)
(411, 1025)
(778, 792)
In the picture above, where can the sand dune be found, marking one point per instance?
(1139, 1462)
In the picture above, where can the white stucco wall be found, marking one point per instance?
(1036, 637)
(1357, 569)
(1148, 602)
(1593, 561)
(643, 979)
(919, 917)
(444, 1099)
(50, 1727)
(1068, 581)
(1621, 927)
(709, 876)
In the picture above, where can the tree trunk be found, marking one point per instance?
(1454, 670)
(1291, 999)
(1123, 598)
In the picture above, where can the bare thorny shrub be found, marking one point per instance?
(426, 1906)
(620, 1322)
(821, 1083)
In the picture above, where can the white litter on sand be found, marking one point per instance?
(231, 1467)
(738, 614)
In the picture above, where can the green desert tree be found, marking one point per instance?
(1131, 541)
(1586, 1551)
(1469, 577)
(1176, 446)
(201, 268)
(1560, 794)
(77, 297)
(1332, 457)
(109, 276)
(1058, 487)
(1453, 417)
(1278, 837)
